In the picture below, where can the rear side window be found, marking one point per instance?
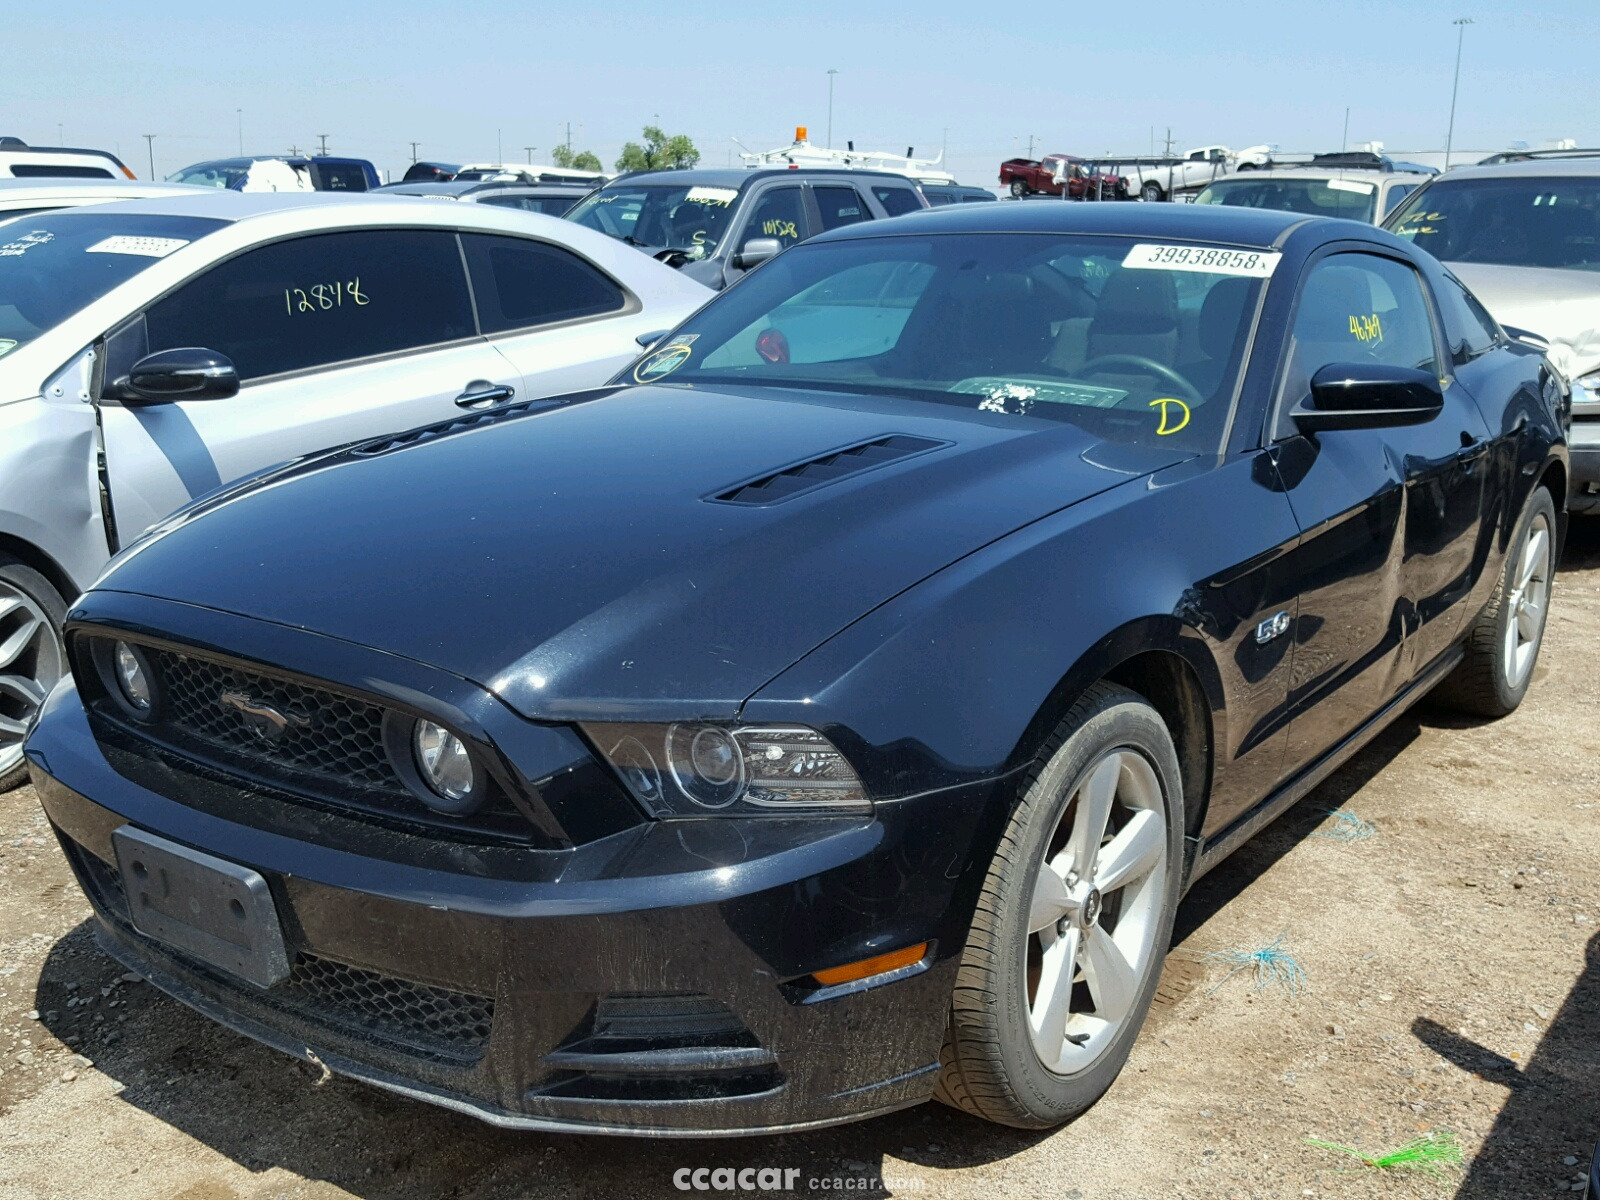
(840, 206)
(896, 201)
(341, 177)
(55, 171)
(520, 283)
(550, 206)
(314, 301)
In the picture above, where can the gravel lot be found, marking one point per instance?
(1452, 983)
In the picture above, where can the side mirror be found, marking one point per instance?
(1369, 396)
(756, 251)
(190, 373)
(646, 340)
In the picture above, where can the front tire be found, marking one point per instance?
(1503, 641)
(32, 659)
(1073, 921)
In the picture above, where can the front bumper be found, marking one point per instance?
(651, 982)
(1583, 445)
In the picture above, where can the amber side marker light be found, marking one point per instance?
(868, 967)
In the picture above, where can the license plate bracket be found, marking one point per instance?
(215, 910)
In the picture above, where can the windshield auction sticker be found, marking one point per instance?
(1211, 260)
(144, 247)
(662, 363)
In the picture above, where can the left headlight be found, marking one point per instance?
(696, 768)
(446, 767)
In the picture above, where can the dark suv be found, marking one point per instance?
(717, 224)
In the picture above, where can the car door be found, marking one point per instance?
(1389, 517)
(336, 337)
(551, 313)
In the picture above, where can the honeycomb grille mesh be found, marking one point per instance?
(416, 1014)
(331, 735)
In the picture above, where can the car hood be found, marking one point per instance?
(1561, 306)
(574, 560)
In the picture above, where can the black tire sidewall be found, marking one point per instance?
(1150, 193)
(1123, 723)
(40, 590)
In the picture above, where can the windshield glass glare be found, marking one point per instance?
(213, 174)
(53, 265)
(1352, 199)
(1023, 327)
(684, 217)
(1522, 222)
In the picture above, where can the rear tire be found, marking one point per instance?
(32, 659)
(1019, 189)
(1072, 924)
(1503, 641)
(1151, 193)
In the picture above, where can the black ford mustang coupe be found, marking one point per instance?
(830, 714)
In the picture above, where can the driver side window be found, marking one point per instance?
(1356, 308)
(779, 214)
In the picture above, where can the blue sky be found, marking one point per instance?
(1081, 77)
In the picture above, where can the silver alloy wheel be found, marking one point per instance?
(31, 663)
(1096, 909)
(1528, 601)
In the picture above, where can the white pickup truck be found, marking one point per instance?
(1162, 178)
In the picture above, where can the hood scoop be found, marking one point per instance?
(802, 477)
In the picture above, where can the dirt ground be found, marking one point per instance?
(1452, 982)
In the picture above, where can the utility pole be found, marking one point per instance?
(530, 150)
(831, 74)
(499, 149)
(61, 138)
(150, 145)
(323, 138)
(569, 137)
(1030, 145)
(944, 143)
(1461, 24)
(1167, 147)
(1344, 142)
(414, 146)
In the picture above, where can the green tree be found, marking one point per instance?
(658, 151)
(577, 160)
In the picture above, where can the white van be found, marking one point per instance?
(18, 160)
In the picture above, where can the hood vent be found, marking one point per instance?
(429, 433)
(817, 472)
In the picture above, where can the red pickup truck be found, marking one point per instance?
(1028, 177)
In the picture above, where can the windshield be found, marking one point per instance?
(690, 218)
(212, 174)
(1353, 199)
(52, 266)
(1131, 341)
(1523, 222)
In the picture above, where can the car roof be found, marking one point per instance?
(1361, 174)
(48, 186)
(1253, 227)
(1538, 168)
(737, 177)
(460, 187)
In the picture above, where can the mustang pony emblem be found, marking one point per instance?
(266, 722)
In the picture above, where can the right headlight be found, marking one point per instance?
(696, 768)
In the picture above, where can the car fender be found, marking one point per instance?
(963, 676)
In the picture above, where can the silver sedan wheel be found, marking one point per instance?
(31, 663)
(1096, 909)
(1528, 601)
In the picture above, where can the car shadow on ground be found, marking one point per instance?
(1582, 549)
(1552, 1112)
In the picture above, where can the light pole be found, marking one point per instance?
(414, 146)
(831, 74)
(530, 150)
(150, 145)
(240, 111)
(1461, 24)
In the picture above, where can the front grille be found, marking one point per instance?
(427, 1018)
(337, 737)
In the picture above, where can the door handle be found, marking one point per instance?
(480, 393)
(1471, 453)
